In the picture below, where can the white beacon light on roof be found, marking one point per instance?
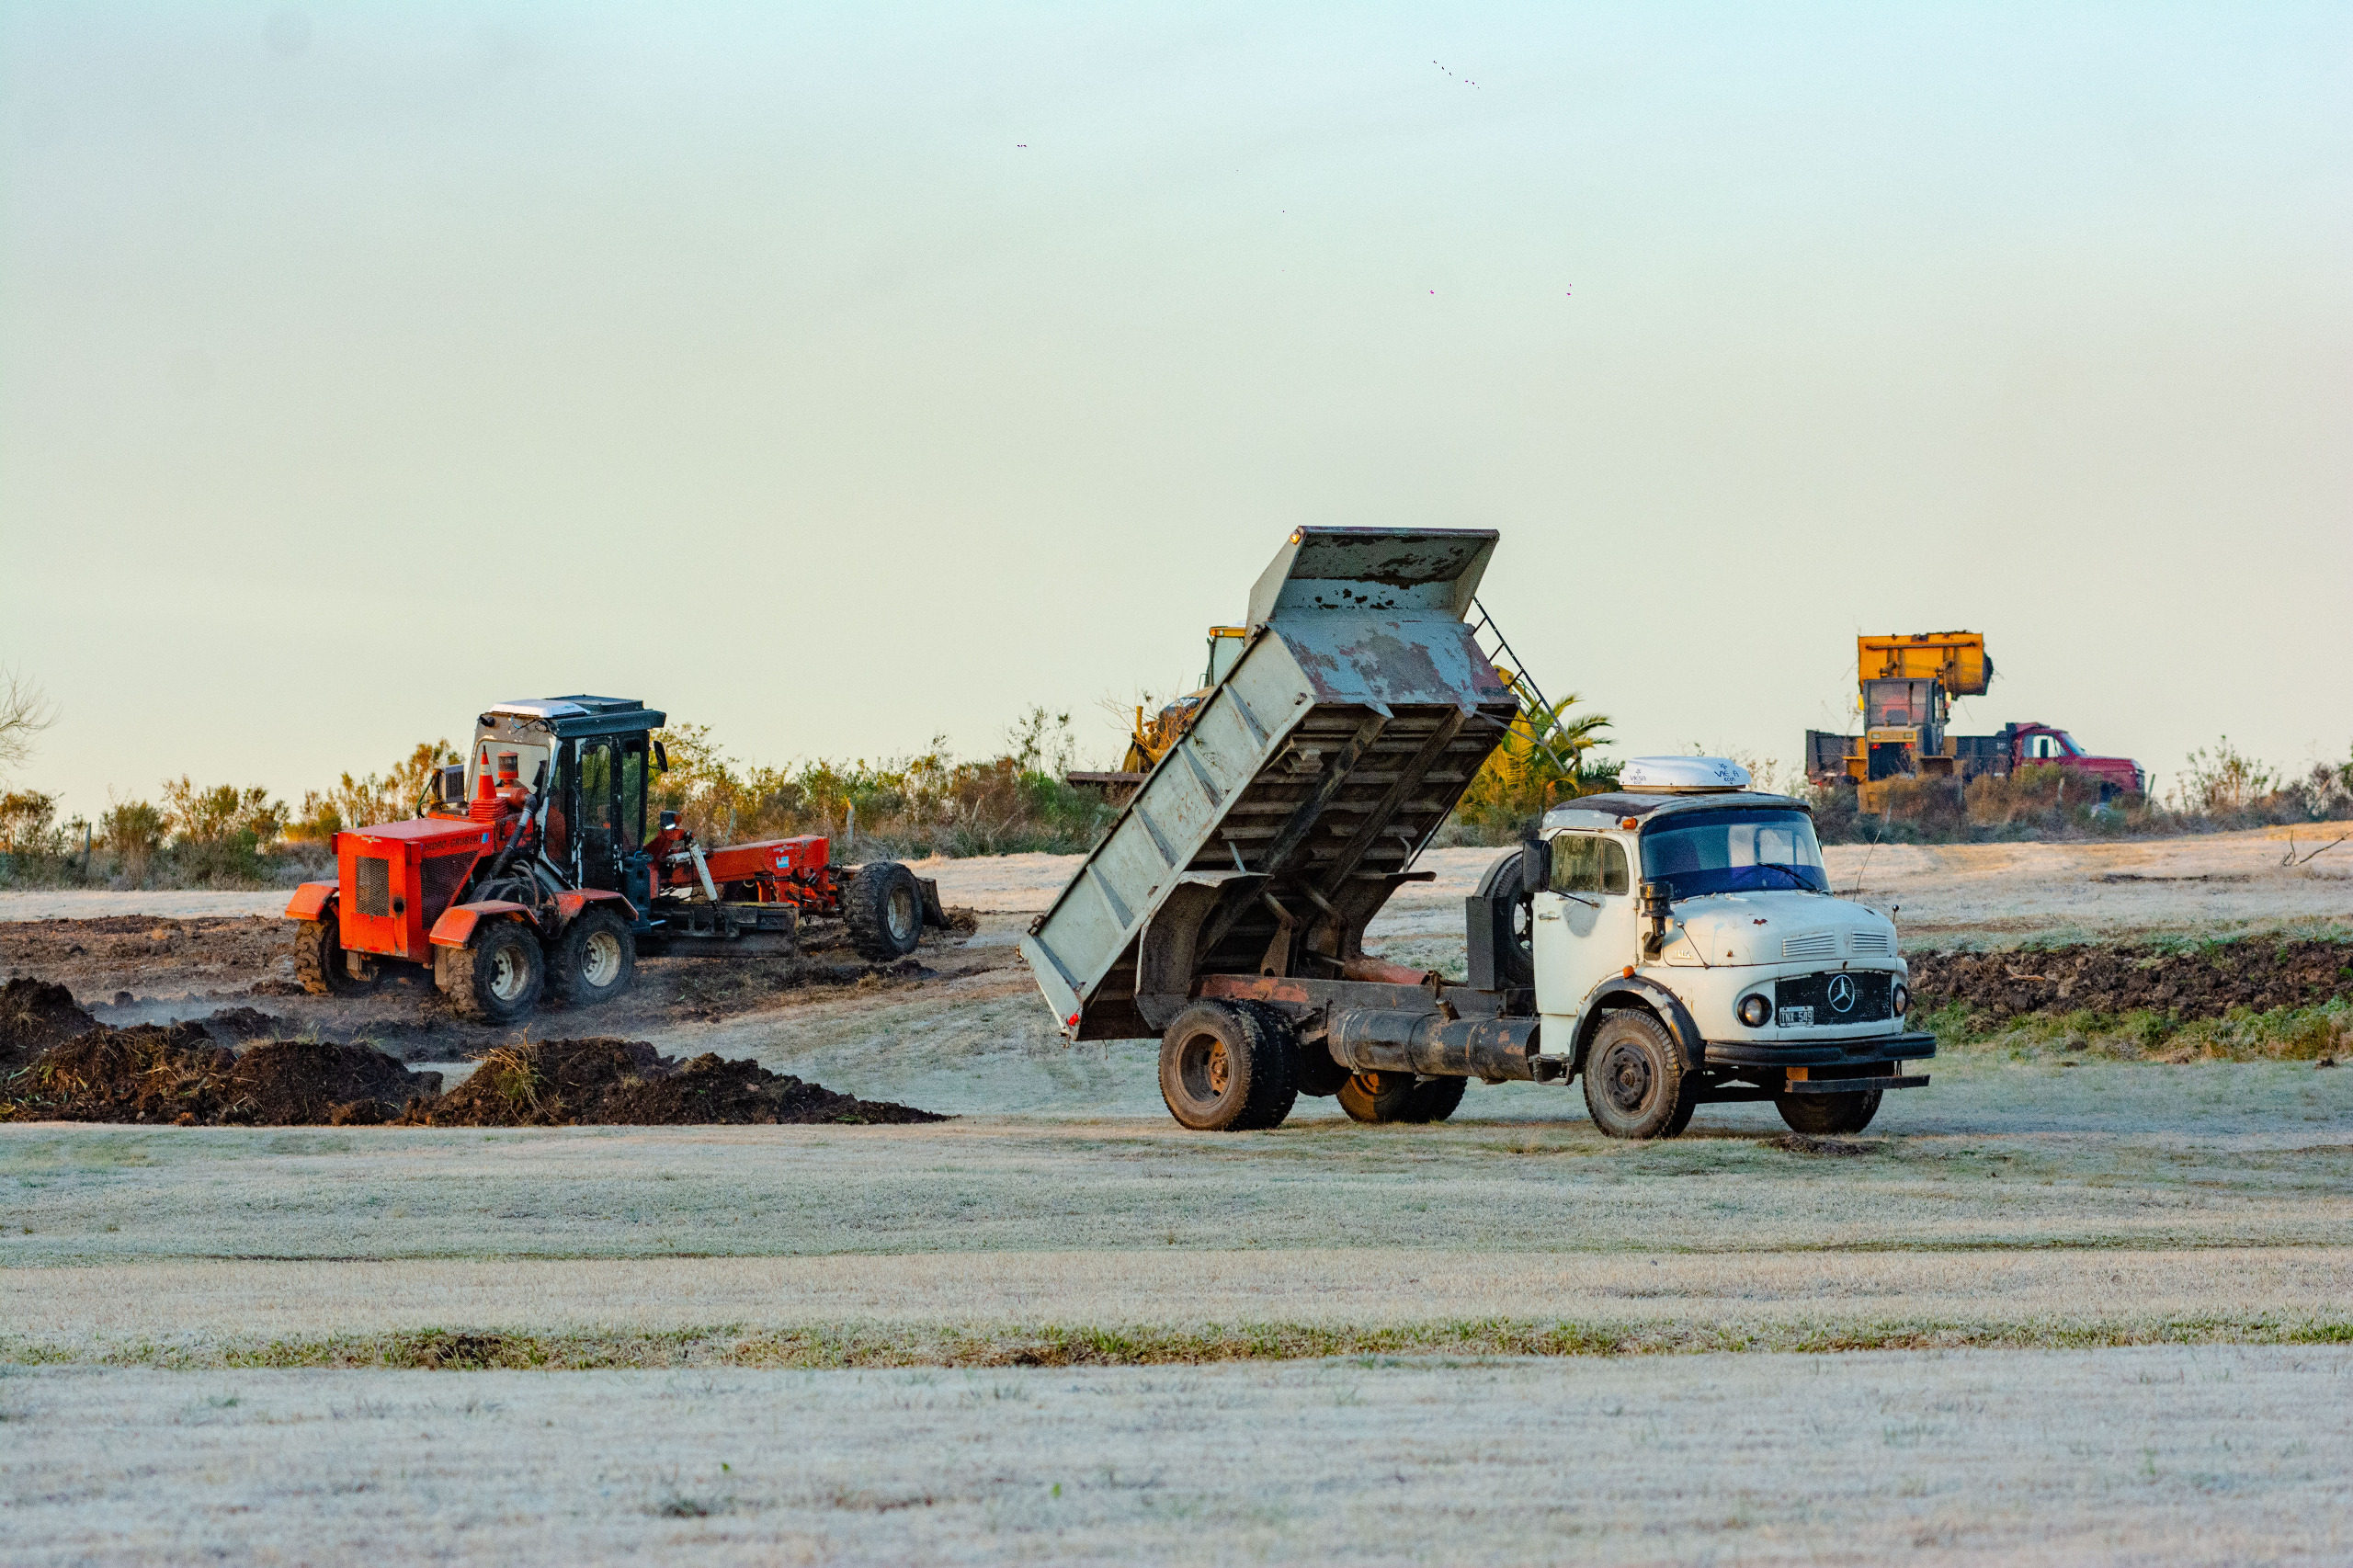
(1681, 776)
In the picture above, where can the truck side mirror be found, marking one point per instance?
(452, 784)
(661, 758)
(1535, 865)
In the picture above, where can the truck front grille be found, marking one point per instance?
(444, 875)
(1826, 1000)
(374, 892)
(1813, 944)
(1870, 941)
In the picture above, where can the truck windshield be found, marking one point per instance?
(1733, 851)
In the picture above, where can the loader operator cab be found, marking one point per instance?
(598, 752)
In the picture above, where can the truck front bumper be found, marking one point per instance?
(1868, 1053)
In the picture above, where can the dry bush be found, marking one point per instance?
(930, 803)
(365, 802)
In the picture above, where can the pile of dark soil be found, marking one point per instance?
(234, 1026)
(176, 1076)
(617, 1083)
(34, 1016)
(2204, 984)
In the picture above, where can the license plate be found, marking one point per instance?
(1797, 1017)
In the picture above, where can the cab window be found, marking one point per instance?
(1586, 863)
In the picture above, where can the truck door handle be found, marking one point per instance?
(1550, 914)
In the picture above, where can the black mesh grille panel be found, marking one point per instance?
(444, 875)
(1860, 997)
(375, 885)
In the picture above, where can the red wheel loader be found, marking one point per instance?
(531, 873)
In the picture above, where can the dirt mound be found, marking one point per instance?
(176, 1076)
(617, 1083)
(234, 1026)
(34, 1016)
(2204, 984)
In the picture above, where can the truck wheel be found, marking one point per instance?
(884, 910)
(494, 979)
(1504, 887)
(318, 959)
(1634, 1084)
(1313, 1071)
(1817, 1115)
(1377, 1097)
(596, 960)
(1434, 1099)
(1220, 1072)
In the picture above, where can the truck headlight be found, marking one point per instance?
(1754, 1010)
(1902, 999)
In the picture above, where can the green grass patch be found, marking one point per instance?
(2282, 1034)
(844, 1347)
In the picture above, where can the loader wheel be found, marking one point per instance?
(1434, 1099)
(1634, 1082)
(494, 979)
(318, 959)
(1816, 1115)
(1221, 1071)
(883, 908)
(595, 961)
(1377, 1097)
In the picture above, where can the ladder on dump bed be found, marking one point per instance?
(1543, 724)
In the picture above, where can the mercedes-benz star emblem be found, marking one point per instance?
(1842, 994)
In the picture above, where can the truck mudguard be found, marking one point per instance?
(456, 926)
(311, 901)
(1631, 989)
(568, 906)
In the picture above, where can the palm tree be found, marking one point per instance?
(1543, 758)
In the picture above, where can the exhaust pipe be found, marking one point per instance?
(1373, 1041)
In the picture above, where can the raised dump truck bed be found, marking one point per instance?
(1279, 823)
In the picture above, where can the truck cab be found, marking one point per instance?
(1687, 900)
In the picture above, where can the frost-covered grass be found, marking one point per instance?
(2174, 1455)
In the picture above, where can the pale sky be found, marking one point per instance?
(842, 376)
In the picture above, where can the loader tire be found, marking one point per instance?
(1504, 887)
(318, 959)
(496, 978)
(1222, 1071)
(883, 908)
(1635, 1086)
(1819, 1115)
(1377, 1097)
(1434, 1099)
(595, 961)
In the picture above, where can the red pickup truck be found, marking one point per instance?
(2040, 745)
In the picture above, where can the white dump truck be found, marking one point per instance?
(1670, 944)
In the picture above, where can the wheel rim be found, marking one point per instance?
(600, 959)
(1627, 1079)
(902, 913)
(507, 972)
(1203, 1069)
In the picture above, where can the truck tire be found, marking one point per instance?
(1634, 1083)
(1313, 1071)
(1377, 1097)
(318, 959)
(496, 978)
(883, 908)
(1221, 1071)
(1504, 887)
(1820, 1115)
(595, 961)
(1434, 1099)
